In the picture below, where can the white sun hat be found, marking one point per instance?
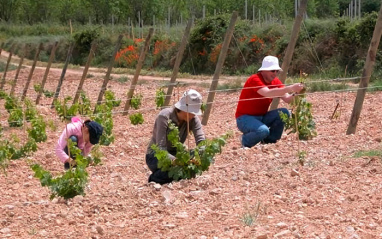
(270, 63)
(190, 102)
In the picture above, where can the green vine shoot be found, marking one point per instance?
(104, 116)
(188, 163)
(30, 110)
(14, 108)
(47, 93)
(38, 129)
(136, 118)
(63, 110)
(84, 108)
(301, 120)
(71, 183)
(136, 101)
(160, 96)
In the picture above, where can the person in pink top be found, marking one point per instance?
(85, 133)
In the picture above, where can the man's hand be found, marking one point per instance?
(297, 87)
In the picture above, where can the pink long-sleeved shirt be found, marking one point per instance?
(73, 128)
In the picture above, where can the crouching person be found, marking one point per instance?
(184, 112)
(84, 134)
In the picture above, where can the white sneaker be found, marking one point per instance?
(241, 140)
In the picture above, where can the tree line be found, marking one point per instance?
(163, 11)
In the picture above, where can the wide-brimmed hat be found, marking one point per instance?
(95, 131)
(270, 63)
(190, 102)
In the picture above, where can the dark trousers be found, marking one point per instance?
(157, 176)
(75, 140)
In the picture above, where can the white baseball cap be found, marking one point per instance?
(270, 63)
(190, 102)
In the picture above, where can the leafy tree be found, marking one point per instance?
(7, 9)
(36, 11)
(74, 10)
(370, 6)
(100, 9)
(325, 8)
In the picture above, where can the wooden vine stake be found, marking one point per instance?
(18, 69)
(300, 160)
(62, 77)
(6, 67)
(46, 72)
(90, 57)
(137, 71)
(219, 66)
(1, 48)
(334, 112)
(178, 60)
(31, 72)
(367, 70)
(290, 48)
(107, 76)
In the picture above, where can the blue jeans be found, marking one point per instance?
(267, 128)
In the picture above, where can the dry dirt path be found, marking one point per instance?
(101, 72)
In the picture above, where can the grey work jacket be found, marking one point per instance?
(161, 130)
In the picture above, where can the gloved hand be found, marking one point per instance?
(201, 150)
(72, 162)
(192, 153)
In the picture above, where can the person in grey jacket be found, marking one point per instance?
(185, 110)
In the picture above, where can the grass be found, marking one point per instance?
(326, 86)
(52, 125)
(373, 155)
(11, 67)
(123, 79)
(368, 153)
(376, 85)
(32, 231)
(252, 216)
(146, 72)
(231, 86)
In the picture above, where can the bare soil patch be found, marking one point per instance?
(334, 195)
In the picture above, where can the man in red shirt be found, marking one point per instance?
(252, 116)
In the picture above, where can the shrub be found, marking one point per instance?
(83, 40)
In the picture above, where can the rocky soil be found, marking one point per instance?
(260, 192)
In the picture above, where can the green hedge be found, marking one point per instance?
(330, 47)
